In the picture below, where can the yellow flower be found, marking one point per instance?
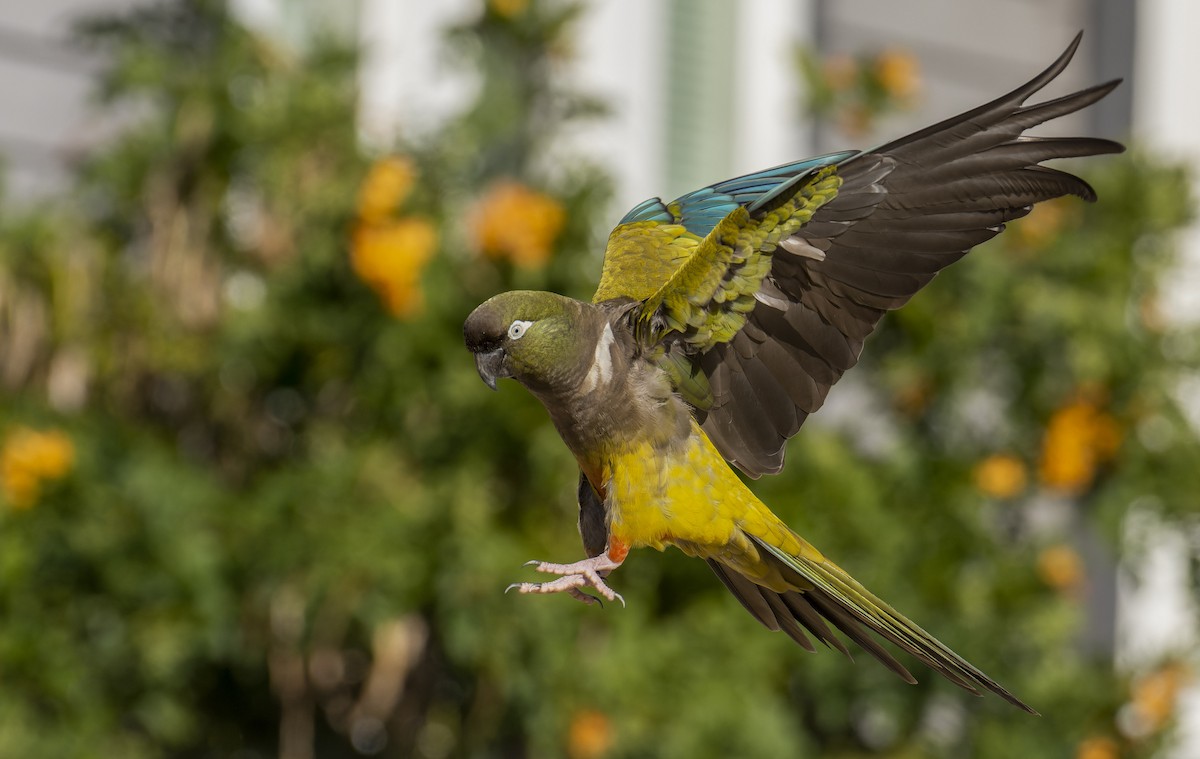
(387, 185)
(514, 222)
(840, 72)
(898, 73)
(1000, 476)
(1079, 438)
(28, 459)
(1097, 747)
(21, 486)
(914, 396)
(589, 735)
(855, 119)
(1043, 223)
(1151, 312)
(390, 256)
(508, 8)
(1061, 568)
(1154, 695)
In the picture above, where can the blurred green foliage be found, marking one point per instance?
(288, 508)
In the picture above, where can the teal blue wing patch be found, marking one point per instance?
(649, 210)
(701, 210)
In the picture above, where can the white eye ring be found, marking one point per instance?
(517, 329)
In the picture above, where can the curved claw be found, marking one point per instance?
(589, 573)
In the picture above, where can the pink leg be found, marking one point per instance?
(581, 574)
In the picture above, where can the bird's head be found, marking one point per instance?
(537, 338)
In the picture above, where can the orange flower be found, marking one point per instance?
(1043, 224)
(1151, 312)
(898, 73)
(1061, 568)
(388, 183)
(1155, 695)
(855, 119)
(1000, 476)
(30, 458)
(1097, 747)
(914, 397)
(508, 8)
(1079, 438)
(589, 735)
(840, 72)
(512, 221)
(389, 256)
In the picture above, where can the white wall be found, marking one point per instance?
(626, 64)
(1167, 116)
(44, 86)
(1156, 615)
(404, 84)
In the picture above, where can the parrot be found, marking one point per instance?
(721, 321)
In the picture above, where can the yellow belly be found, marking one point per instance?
(686, 494)
(689, 497)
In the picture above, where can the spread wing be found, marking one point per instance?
(655, 238)
(902, 212)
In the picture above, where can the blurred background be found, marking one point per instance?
(255, 502)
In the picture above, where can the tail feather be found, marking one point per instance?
(857, 633)
(787, 622)
(830, 595)
(782, 611)
(811, 619)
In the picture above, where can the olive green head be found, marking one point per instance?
(538, 338)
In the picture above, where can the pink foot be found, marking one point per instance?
(582, 574)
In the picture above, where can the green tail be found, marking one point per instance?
(834, 596)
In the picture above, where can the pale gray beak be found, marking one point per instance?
(491, 366)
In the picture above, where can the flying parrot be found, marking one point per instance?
(722, 320)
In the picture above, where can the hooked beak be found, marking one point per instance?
(491, 367)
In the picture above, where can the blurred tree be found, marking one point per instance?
(854, 92)
(254, 500)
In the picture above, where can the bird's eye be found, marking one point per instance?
(517, 329)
